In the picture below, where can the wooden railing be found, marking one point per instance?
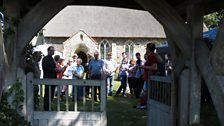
(160, 89)
(86, 111)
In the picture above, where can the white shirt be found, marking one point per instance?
(70, 69)
(110, 67)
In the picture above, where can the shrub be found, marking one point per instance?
(9, 113)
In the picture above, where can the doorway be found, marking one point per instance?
(83, 56)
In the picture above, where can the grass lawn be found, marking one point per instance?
(120, 111)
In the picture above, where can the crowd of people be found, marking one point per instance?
(132, 73)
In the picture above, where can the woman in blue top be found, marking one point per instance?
(78, 74)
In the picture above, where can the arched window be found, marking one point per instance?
(129, 49)
(105, 47)
(132, 51)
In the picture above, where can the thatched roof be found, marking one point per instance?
(104, 22)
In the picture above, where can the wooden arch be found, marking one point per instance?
(188, 50)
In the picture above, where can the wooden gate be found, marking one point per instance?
(159, 101)
(92, 114)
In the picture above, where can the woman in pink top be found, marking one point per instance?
(62, 66)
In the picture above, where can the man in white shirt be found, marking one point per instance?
(110, 68)
(71, 67)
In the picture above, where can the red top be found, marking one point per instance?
(149, 62)
(59, 73)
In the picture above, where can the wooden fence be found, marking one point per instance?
(74, 113)
(159, 101)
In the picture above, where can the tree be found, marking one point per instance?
(214, 19)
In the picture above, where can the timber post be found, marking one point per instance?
(103, 100)
(183, 98)
(29, 97)
(10, 40)
(195, 22)
(216, 54)
(2, 64)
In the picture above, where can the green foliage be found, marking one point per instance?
(9, 113)
(29, 58)
(213, 20)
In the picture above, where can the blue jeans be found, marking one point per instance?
(79, 91)
(109, 82)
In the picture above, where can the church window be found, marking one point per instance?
(129, 49)
(132, 51)
(105, 47)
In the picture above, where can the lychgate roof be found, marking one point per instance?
(104, 22)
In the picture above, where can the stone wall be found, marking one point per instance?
(118, 44)
(56, 42)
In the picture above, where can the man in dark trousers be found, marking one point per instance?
(139, 80)
(49, 71)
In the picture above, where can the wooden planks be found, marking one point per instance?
(159, 114)
(159, 101)
(65, 122)
(84, 116)
(68, 119)
(43, 122)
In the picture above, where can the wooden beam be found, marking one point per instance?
(171, 21)
(2, 63)
(195, 22)
(216, 55)
(36, 19)
(178, 67)
(12, 10)
(178, 60)
(29, 98)
(184, 98)
(213, 6)
(67, 82)
(210, 5)
(180, 84)
(206, 70)
(181, 8)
